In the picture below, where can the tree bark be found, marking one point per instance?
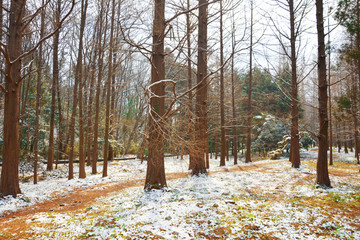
(295, 146)
(356, 84)
(98, 90)
(155, 172)
(222, 104)
(322, 177)
(329, 89)
(23, 107)
(76, 99)
(50, 161)
(190, 95)
(11, 148)
(38, 96)
(199, 166)
(82, 173)
(234, 122)
(60, 138)
(108, 92)
(249, 105)
(90, 112)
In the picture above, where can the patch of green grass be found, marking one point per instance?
(338, 199)
(26, 199)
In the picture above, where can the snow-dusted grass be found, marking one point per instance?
(270, 202)
(56, 182)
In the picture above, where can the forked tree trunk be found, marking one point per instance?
(199, 166)
(322, 177)
(155, 172)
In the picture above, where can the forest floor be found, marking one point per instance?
(266, 199)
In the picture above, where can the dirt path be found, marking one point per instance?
(80, 198)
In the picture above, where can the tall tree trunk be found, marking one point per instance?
(113, 88)
(76, 99)
(38, 96)
(222, 104)
(90, 107)
(190, 95)
(199, 166)
(357, 84)
(227, 145)
(249, 105)
(82, 173)
(2, 59)
(216, 146)
(329, 89)
(234, 122)
(356, 138)
(322, 177)
(155, 172)
(60, 138)
(72, 129)
(24, 104)
(295, 146)
(50, 161)
(11, 148)
(108, 92)
(346, 150)
(98, 90)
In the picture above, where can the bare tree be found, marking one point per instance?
(249, 105)
(77, 99)
(189, 76)
(322, 177)
(108, 92)
(222, 104)
(82, 173)
(234, 122)
(155, 173)
(199, 166)
(100, 52)
(55, 78)
(38, 95)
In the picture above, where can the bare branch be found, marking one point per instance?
(31, 17)
(3, 50)
(3, 89)
(188, 11)
(44, 38)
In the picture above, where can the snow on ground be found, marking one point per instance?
(56, 181)
(239, 205)
(271, 201)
